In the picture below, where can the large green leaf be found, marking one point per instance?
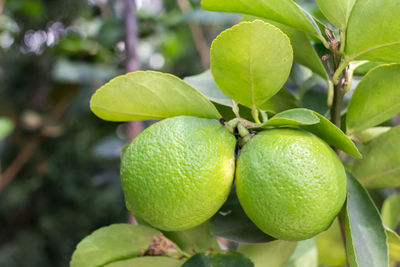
(332, 135)
(371, 133)
(283, 11)
(231, 222)
(305, 255)
(373, 31)
(336, 11)
(391, 211)
(394, 245)
(380, 166)
(303, 51)
(195, 239)
(272, 254)
(292, 117)
(251, 61)
(227, 259)
(153, 261)
(112, 243)
(376, 98)
(146, 95)
(366, 240)
(6, 127)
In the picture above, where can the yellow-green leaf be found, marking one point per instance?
(251, 61)
(336, 11)
(147, 95)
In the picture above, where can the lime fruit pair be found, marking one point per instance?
(177, 174)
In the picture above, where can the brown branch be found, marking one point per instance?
(197, 34)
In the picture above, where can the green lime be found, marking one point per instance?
(290, 183)
(177, 173)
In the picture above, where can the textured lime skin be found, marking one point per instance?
(177, 173)
(290, 183)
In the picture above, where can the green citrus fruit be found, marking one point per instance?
(290, 183)
(177, 173)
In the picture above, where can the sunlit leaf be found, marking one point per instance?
(147, 262)
(112, 243)
(251, 61)
(380, 166)
(305, 255)
(146, 95)
(366, 240)
(394, 244)
(373, 31)
(391, 211)
(6, 127)
(331, 251)
(371, 133)
(292, 117)
(283, 11)
(336, 11)
(376, 98)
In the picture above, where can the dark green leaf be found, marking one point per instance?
(112, 243)
(373, 31)
(376, 98)
(146, 95)
(292, 117)
(391, 211)
(366, 240)
(332, 135)
(228, 259)
(272, 254)
(196, 239)
(251, 61)
(153, 261)
(380, 166)
(283, 11)
(232, 223)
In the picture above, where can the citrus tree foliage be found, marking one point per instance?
(332, 70)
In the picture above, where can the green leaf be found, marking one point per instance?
(366, 240)
(272, 254)
(112, 243)
(251, 61)
(305, 255)
(292, 117)
(336, 11)
(331, 251)
(332, 135)
(373, 31)
(282, 11)
(380, 166)
(147, 261)
(391, 211)
(303, 51)
(371, 133)
(394, 244)
(147, 95)
(195, 239)
(6, 127)
(228, 259)
(231, 222)
(376, 98)
(204, 82)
